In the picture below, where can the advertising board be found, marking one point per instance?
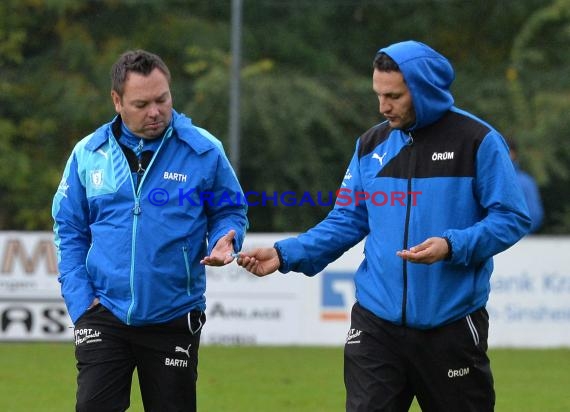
(529, 304)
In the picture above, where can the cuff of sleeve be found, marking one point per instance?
(449, 249)
(283, 267)
(280, 256)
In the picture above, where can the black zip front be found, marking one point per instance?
(137, 164)
(411, 168)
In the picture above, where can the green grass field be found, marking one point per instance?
(41, 377)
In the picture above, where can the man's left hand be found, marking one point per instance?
(222, 253)
(430, 251)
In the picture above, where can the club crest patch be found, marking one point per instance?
(97, 178)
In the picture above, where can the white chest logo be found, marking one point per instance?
(442, 156)
(177, 177)
(379, 158)
(97, 178)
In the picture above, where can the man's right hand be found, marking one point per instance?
(260, 261)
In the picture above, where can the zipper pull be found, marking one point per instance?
(137, 209)
(410, 140)
(141, 170)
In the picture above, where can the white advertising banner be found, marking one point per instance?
(529, 304)
(530, 294)
(31, 307)
(280, 309)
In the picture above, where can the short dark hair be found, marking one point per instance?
(384, 63)
(139, 61)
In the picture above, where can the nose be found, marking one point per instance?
(384, 106)
(153, 110)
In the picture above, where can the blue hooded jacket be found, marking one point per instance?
(449, 175)
(139, 250)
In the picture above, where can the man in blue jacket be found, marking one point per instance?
(530, 189)
(138, 213)
(433, 191)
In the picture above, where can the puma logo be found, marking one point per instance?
(380, 158)
(102, 153)
(180, 349)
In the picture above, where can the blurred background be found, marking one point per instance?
(304, 90)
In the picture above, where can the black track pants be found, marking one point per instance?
(165, 356)
(446, 368)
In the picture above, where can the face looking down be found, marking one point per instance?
(146, 104)
(394, 98)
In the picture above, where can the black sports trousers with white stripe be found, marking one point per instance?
(445, 368)
(165, 357)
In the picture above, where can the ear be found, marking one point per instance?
(116, 101)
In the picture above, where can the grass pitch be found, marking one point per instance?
(41, 377)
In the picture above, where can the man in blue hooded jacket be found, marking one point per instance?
(145, 202)
(529, 187)
(433, 191)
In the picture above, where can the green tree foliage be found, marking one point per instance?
(306, 86)
(540, 94)
(56, 88)
(298, 133)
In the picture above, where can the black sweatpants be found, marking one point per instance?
(446, 368)
(165, 356)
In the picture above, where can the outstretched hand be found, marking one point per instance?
(222, 253)
(260, 261)
(429, 251)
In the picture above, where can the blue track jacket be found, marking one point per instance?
(139, 251)
(449, 175)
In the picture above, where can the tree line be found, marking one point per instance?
(306, 91)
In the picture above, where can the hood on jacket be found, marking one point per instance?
(428, 76)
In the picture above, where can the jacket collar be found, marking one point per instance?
(182, 129)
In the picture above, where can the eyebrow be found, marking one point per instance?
(390, 94)
(162, 96)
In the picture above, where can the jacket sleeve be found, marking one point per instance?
(227, 208)
(344, 227)
(72, 240)
(533, 199)
(507, 219)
